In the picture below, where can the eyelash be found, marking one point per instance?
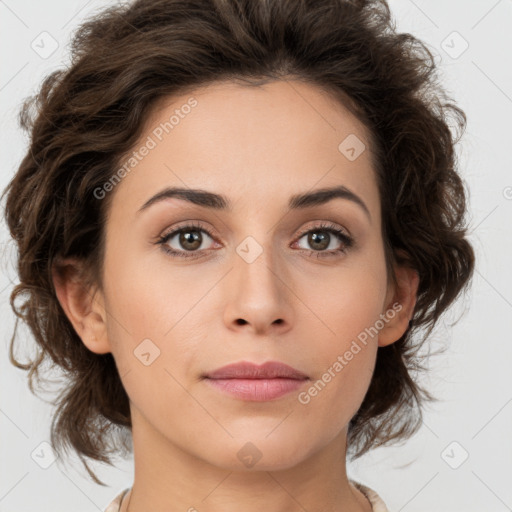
(347, 241)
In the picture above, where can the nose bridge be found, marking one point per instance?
(256, 266)
(256, 253)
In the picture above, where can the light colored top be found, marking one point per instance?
(376, 501)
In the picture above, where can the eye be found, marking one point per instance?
(185, 241)
(326, 236)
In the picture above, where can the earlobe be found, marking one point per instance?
(399, 305)
(83, 306)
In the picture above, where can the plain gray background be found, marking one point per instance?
(473, 380)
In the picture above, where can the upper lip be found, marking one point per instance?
(248, 370)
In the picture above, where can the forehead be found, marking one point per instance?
(248, 142)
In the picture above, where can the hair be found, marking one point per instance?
(84, 119)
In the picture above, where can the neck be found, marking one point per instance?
(169, 478)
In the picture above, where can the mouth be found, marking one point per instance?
(257, 383)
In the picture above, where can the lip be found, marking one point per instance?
(248, 370)
(257, 383)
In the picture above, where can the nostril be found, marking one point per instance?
(241, 321)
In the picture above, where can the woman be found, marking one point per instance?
(233, 220)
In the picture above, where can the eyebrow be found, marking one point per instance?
(220, 202)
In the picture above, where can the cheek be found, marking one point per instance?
(344, 335)
(145, 298)
(343, 365)
(348, 345)
(153, 328)
(343, 304)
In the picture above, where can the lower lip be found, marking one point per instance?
(257, 390)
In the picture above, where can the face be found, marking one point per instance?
(257, 280)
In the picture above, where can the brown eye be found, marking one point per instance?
(186, 241)
(325, 240)
(319, 241)
(190, 240)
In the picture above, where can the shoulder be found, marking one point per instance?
(116, 502)
(378, 504)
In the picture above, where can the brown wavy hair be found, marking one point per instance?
(84, 119)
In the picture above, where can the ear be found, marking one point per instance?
(84, 305)
(400, 302)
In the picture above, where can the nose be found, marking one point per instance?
(259, 296)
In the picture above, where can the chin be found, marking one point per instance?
(258, 451)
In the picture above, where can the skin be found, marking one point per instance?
(258, 146)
